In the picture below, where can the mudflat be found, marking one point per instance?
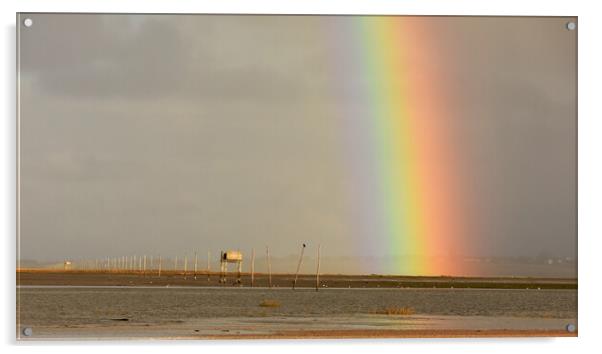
(171, 278)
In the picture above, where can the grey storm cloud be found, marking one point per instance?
(185, 57)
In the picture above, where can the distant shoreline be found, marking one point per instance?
(41, 277)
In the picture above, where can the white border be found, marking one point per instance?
(590, 174)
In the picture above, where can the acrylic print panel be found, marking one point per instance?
(246, 176)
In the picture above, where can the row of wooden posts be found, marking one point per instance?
(138, 264)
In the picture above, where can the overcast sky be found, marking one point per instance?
(164, 134)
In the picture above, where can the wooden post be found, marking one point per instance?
(175, 266)
(160, 266)
(298, 267)
(208, 266)
(239, 275)
(267, 250)
(185, 264)
(318, 270)
(252, 267)
(222, 277)
(139, 263)
(196, 259)
(144, 267)
(150, 268)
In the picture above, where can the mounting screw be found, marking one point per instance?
(27, 331)
(28, 22)
(571, 26)
(571, 327)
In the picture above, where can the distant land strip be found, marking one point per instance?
(37, 277)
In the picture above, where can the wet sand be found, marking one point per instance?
(95, 305)
(145, 312)
(311, 327)
(170, 278)
(351, 334)
(329, 334)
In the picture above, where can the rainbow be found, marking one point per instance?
(404, 156)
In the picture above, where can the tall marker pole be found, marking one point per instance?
(196, 259)
(160, 260)
(267, 250)
(252, 267)
(318, 270)
(298, 266)
(208, 266)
